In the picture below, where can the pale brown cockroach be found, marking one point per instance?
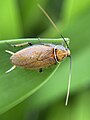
(40, 56)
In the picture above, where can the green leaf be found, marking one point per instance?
(74, 9)
(78, 109)
(10, 21)
(20, 83)
(31, 15)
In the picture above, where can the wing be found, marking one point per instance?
(33, 56)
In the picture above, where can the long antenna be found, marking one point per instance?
(52, 23)
(69, 81)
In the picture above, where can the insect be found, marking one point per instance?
(40, 56)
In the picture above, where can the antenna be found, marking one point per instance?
(52, 24)
(69, 81)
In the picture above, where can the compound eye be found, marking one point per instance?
(60, 47)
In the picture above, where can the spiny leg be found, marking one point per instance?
(62, 43)
(12, 68)
(10, 52)
(46, 44)
(22, 44)
(40, 41)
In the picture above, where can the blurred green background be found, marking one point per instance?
(23, 19)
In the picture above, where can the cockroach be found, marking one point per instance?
(40, 56)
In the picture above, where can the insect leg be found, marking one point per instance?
(10, 52)
(40, 41)
(62, 44)
(12, 68)
(46, 44)
(22, 44)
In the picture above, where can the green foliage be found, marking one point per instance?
(48, 102)
(10, 20)
(21, 82)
